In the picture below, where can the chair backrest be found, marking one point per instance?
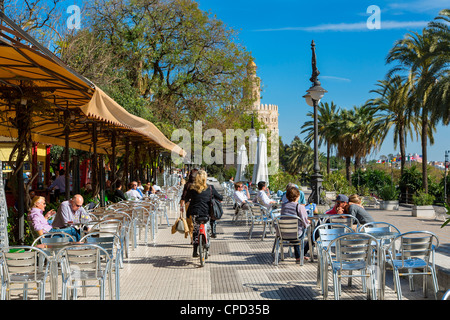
(288, 227)
(82, 258)
(53, 237)
(378, 226)
(328, 232)
(23, 260)
(353, 248)
(110, 242)
(415, 245)
(110, 225)
(346, 219)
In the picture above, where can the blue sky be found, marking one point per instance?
(350, 57)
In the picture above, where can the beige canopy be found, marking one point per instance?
(32, 72)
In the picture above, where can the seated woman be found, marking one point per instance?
(292, 207)
(39, 221)
(356, 209)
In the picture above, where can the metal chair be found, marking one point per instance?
(260, 214)
(82, 263)
(288, 234)
(161, 210)
(112, 244)
(53, 237)
(416, 248)
(326, 234)
(242, 212)
(20, 266)
(346, 219)
(126, 229)
(354, 251)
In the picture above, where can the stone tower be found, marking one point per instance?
(266, 113)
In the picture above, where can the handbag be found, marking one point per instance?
(180, 225)
(215, 209)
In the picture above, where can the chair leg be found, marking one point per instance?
(277, 249)
(411, 280)
(336, 285)
(397, 284)
(425, 283)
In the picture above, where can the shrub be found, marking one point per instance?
(423, 199)
(389, 192)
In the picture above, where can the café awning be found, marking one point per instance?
(32, 72)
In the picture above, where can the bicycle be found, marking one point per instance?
(203, 236)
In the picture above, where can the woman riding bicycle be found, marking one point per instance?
(199, 198)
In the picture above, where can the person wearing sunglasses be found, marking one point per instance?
(69, 211)
(341, 205)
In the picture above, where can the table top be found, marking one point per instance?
(384, 234)
(54, 246)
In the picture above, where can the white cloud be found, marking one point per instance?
(359, 26)
(419, 5)
(335, 78)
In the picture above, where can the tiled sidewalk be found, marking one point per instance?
(238, 269)
(242, 269)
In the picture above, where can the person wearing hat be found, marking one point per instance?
(340, 206)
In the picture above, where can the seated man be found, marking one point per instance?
(241, 196)
(118, 193)
(133, 192)
(263, 197)
(341, 205)
(68, 212)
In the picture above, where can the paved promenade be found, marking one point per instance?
(242, 269)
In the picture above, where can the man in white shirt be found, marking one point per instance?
(241, 196)
(263, 197)
(133, 193)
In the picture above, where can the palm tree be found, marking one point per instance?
(440, 94)
(326, 115)
(392, 101)
(412, 53)
(357, 132)
(299, 157)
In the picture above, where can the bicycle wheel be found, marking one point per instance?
(201, 249)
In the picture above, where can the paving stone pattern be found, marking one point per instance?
(239, 268)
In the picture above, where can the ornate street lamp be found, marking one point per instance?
(447, 154)
(313, 96)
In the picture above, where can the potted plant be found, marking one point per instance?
(423, 205)
(389, 194)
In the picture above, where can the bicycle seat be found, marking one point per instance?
(202, 219)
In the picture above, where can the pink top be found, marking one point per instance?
(38, 220)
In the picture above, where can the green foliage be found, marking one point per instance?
(389, 192)
(370, 180)
(411, 180)
(336, 181)
(280, 180)
(423, 199)
(448, 213)
(229, 173)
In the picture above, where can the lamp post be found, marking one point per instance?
(447, 154)
(313, 96)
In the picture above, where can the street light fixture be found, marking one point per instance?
(313, 96)
(445, 176)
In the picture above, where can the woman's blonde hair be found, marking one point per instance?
(199, 184)
(36, 199)
(354, 198)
